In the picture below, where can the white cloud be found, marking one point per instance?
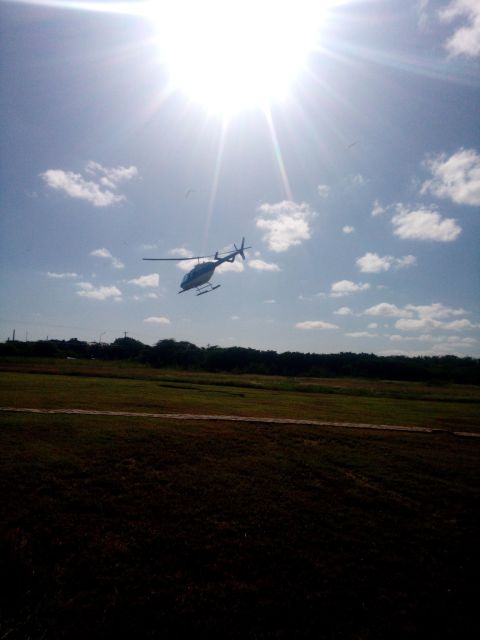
(50, 274)
(421, 317)
(405, 261)
(456, 325)
(234, 317)
(434, 310)
(361, 334)
(315, 324)
(270, 301)
(386, 309)
(348, 229)
(466, 39)
(260, 265)
(157, 320)
(235, 267)
(151, 280)
(432, 316)
(373, 263)
(100, 193)
(88, 290)
(105, 253)
(456, 178)
(417, 324)
(343, 311)
(285, 224)
(101, 253)
(180, 252)
(420, 324)
(346, 287)
(377, 209)
(186, 265)
(456, 341)
(323, 190)
(424, 224)
(372, 325)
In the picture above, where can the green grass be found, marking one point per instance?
(106, 386)
(153, 528)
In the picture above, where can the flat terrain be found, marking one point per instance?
(145, 528)
(65, 384)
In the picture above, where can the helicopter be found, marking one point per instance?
(198, 277)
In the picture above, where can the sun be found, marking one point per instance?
(230, 55)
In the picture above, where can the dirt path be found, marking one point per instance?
(258, 420)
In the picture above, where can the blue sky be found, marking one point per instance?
(354, 174)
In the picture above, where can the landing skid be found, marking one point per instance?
(206, 289)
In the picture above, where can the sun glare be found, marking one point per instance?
(236, 54)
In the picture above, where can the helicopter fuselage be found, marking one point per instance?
(200, 274)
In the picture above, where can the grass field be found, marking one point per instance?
(144, 528)
(126, 387)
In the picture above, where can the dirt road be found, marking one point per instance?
(256, 419)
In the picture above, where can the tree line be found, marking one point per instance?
(171, 353)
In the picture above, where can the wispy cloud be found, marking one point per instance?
(456, 341)
(105, 254)
(457, 177)
(323, 190)
(358, 180)
(88, 290)
(373, 263)
(151, 280)
(422, 223)
(51, 274)
(377, 209)
(347, 287)
(422, 12)
(261, 265)
(99, 191)
(286, 224)
(110, 176)
(315, 324)
(466, 39)
(157, 320)
(348, 229)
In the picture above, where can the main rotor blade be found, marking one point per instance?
(219, 253)
(178, 259)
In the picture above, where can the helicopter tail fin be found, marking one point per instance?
(242, 247)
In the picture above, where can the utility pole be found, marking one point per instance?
(125, 334)
(13, 337)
